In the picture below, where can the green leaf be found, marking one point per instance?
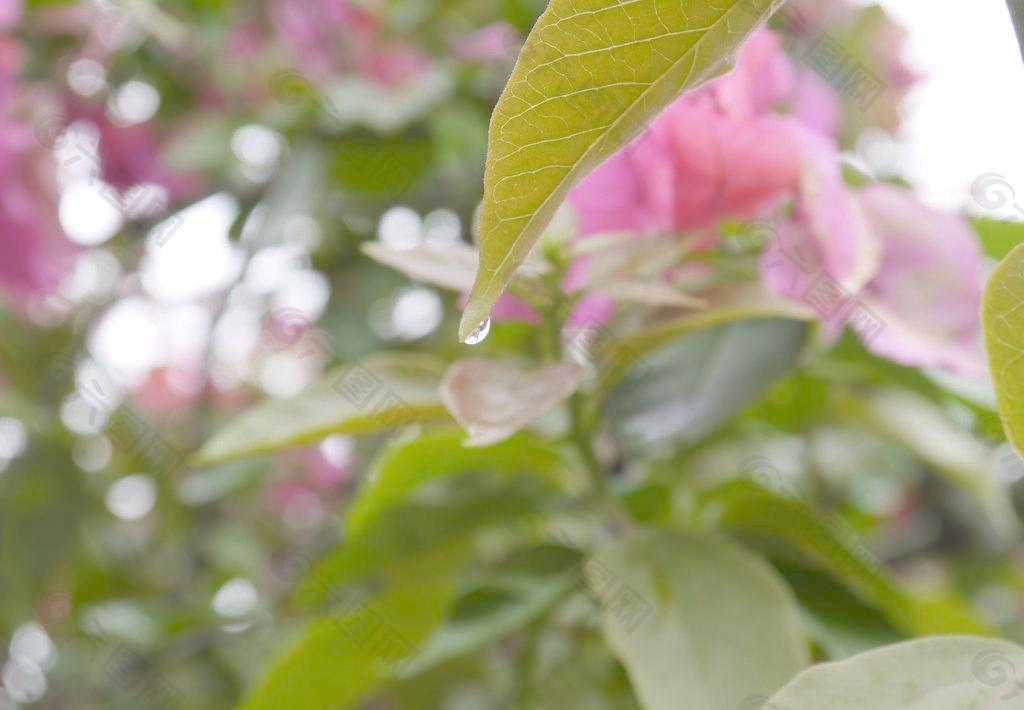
(683, 391)
(404, 467)
(591, 75)
(840, 624)
(441, 521)
(998, 238)
(382, 392)
(503, 601)
(1003, 318)
(698, 623)
(788, 528)
(493, 400)
(940, 673)
(728, 304)
(584, 674)
(340, 659)
(370, 163)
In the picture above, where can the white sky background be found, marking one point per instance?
(967, 116)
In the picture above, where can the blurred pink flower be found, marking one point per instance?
(593, 309)
(815, 103)
(496, 42)
(908, 280)
(133, 154)
(10, 14)
(169, 392)
(809, 18)
(311, 476)
(720, 151)
(393, 64)
(34, 253)
(871, 44)
(328, 37)
(322, 35)
(245, 41)
(928, 288)
(512, 308)
(831, 218)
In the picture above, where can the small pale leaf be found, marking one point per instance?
(493, 400)
(450, 266)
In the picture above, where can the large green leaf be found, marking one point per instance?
(591, 75)
(687, 388)
(939, 673)
(403, 467)
(340, 659)
(382, 392)
(698, 623)
(441, 521)
(788, 529)
(502, 601)
(1004, 337)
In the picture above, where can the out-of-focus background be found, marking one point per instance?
(960, 117)
(184, 189)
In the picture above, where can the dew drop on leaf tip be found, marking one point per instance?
(479, 333)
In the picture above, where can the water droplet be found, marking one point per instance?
(479, 333)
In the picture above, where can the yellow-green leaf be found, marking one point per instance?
(341, 658)
(1003, 316)
(591, 75)
(404, 467)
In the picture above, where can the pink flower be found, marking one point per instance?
(393, 64)
(908, 279)
(928, 288)
(34, 253)
(133, 154)
(313, 476)
(833, 221)
(720, 151)
(727, 151)
(496, 42)
(10, 14)
(815, 103)
(328, 37)
(322, 34)
(510, 307)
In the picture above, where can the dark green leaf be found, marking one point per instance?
(683, 391)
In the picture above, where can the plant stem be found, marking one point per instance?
(581, 437)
